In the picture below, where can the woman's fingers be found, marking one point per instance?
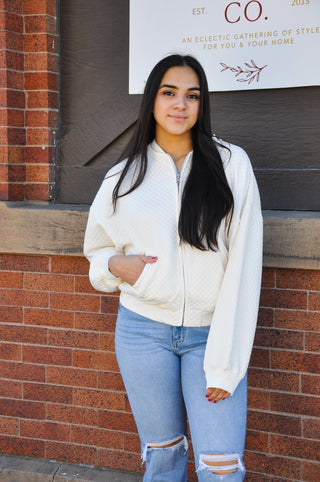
(214, 394)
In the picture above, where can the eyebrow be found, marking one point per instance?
(168, 86)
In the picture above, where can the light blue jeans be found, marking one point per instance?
(162, 369)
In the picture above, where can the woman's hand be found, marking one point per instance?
(216, 394)
(130, 267)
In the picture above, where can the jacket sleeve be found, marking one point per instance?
(234, 320)
(98, 248)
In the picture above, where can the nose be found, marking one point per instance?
(180, 102)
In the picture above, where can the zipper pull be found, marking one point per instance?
(178, 176)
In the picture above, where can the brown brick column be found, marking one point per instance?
(28, 98)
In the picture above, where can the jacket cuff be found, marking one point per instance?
(224, 379)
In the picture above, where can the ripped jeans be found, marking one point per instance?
(162, 369)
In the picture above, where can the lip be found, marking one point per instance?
(178, 118)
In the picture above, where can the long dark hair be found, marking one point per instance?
(207, 198)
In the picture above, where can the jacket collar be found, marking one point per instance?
(158, 154)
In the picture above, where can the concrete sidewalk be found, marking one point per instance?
(25, 469)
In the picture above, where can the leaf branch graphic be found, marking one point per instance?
(249, 73)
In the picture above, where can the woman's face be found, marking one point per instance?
(176, 107)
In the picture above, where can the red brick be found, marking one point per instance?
(310, 384)
(15, 118)
(23, 334)
(69, 265)
(38, 155)
(122, 422)
(97, 437)
(71, 453)
(46, 355)
(16, 173)
(22, 371)
(10, 389)
(295, 361)
(274, 338)
(310, 472)
(12, 154)
(312, 342)
(109, 304)
(10, 351)
(47, 393)
(298, 279)
(41, 118)
(273, 380)
(38, 192)
(62, 319)
(40, 136)
(11, 41)
(40, 42)
(266, 317)
(120, 460)
(75, 302)
(40, 81)
(95, 322)
(107, 342)
(279, 298)
(294, 447)
(297, 320)
(295, 404)
(39, 61)
(14, 60)
(24, 298)
(72, 377)
(11, 280)
(70, 414)
(14, 99)
(94, 360)
(44, 430)
(268, 278)
(9, 426)
(269, 422)
(272, 465)
(99, 399)
(311, 428)
(257, 441)
(22, 409)
(254, 477)
(39, 7)
(11, 21)
(13, 6)
(20, 446)
(74, 339)
(48, 282)
(110, 381)
(24, 263)
(131, 443)
(260, 358)
(42, 100)
(40, 24)
(314, 301)
(83, 285)
(258, 399)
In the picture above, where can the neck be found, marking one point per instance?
(177, 148)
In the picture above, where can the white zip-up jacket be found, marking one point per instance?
(185, 286)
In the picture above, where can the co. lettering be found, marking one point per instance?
(232, 14)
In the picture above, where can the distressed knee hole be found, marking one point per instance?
(170, 444)
(221, 464)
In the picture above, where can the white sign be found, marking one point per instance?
(242, 45)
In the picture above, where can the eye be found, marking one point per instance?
(168, 92)
(194, 96)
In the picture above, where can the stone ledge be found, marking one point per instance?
(291, 238)
(26, 469)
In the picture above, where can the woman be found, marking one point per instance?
(177, 228)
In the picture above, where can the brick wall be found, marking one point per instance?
(63, 397)
(28, 98)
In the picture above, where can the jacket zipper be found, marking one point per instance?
(178, 178)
